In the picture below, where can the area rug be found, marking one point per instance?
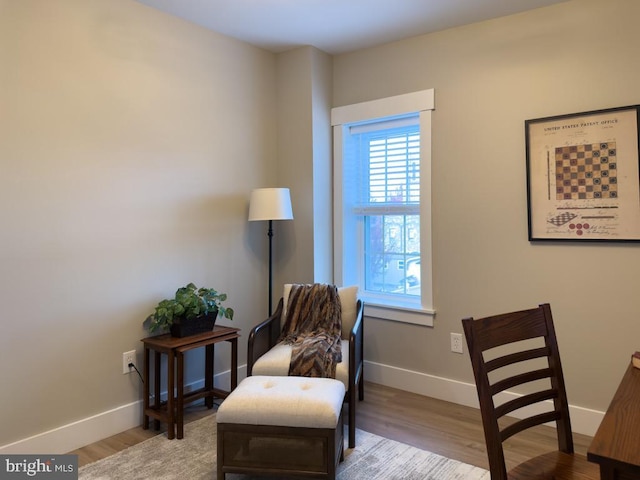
(194, 458)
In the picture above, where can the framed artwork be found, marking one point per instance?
(583, 176)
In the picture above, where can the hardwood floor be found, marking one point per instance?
(448, 429)
(444, 428)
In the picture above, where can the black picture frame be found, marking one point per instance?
(583, 176)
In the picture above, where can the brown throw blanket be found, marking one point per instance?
(313, 325)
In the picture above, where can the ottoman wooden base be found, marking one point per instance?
(279, 450)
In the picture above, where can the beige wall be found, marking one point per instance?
(322, 67)
(488, 78)
(303, 248)
(129, 143)
(295, 168)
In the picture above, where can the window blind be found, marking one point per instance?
(383, 173)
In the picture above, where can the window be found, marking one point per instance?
(384, 189)
(382, 211)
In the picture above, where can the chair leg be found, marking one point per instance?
(352, 417)
(361, 388)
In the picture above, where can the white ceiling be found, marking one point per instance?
(336, 26)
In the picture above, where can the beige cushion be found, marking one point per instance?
(276, 363)
(284, 401)
(348, 299)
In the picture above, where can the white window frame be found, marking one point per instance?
(422, 311)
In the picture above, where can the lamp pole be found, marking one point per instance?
(270, 234)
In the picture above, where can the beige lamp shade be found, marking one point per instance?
(270, 204)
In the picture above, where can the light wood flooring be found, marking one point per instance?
(451, 430)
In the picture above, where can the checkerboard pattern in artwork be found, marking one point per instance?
(587, 171)
(563, 218)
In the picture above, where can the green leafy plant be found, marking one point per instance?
(189, 302)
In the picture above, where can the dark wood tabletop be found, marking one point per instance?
(616, 444)
(167, 341)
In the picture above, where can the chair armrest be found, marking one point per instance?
(263, 337)
(356, 351)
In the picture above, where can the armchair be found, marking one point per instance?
(267, 356)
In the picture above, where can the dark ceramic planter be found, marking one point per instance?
(183, 328)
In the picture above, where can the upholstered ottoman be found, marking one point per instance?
(282, 426)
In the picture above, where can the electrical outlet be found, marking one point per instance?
(456, 342)
(127, 358)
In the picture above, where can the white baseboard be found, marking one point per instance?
(78, 434)
(583, 420)
(89, 430)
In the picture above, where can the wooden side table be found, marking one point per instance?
(173, 412)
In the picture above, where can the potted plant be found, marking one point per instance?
(192, 310)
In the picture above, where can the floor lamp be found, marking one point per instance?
(270, 204)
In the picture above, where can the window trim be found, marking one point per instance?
(422, 312)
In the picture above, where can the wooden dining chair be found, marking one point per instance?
(529, 351)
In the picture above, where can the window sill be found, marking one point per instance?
(415, 315)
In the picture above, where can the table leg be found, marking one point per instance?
(208, 376)
(607, 472)
(171, 395)
(156, 386)
(180, 396)
(145, 417)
